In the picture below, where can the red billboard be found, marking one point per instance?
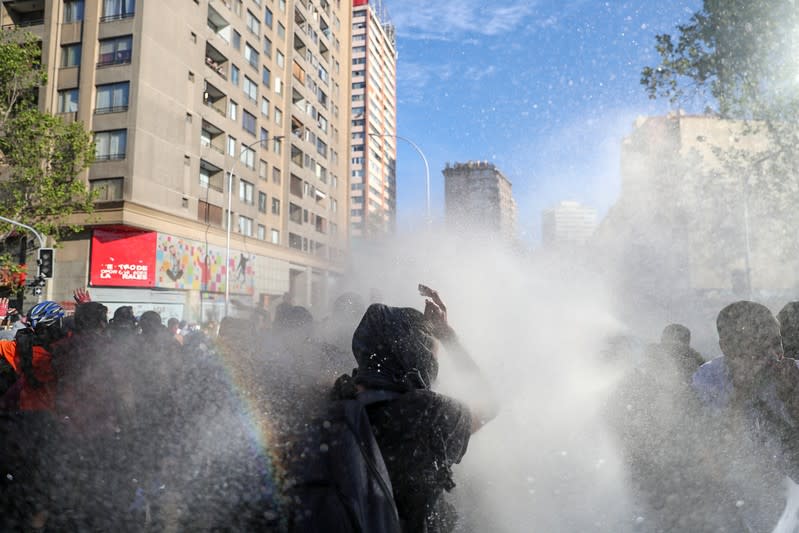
(356, 3)
(122, 258)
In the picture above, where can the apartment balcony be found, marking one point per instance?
(218, 24)
(215, 99)
(25, 14)
(211, 176)
(216, 61)
(212, 138)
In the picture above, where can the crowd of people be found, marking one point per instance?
(712, 446)
(131, 424)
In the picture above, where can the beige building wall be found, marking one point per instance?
(479, 198)
(373, 176)
(180, 93)
(685, 214)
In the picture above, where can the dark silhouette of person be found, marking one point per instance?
(788, 317)
(421, 434)
(750, 396)
(675, 341)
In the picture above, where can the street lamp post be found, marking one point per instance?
(426, 167)
(230, 215)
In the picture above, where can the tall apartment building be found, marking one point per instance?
(479, 198)
(567, 223)
(178, 94)
(373, 179)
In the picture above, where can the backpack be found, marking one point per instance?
(339, 481)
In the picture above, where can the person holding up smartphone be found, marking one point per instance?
(421, 434)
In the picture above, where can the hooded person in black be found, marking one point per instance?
(421, 434)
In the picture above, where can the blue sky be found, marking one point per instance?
(544, 89)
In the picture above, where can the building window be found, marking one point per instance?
(107, 189)
(263, 169)
(265, 107)
(275, 236)
(251, 55)
(73, 11)
(295, 241)
(261, 232)
(275, 206)
(236, 41)
(245, 225)
(280, 59)
(264, 135)
(246, 191)
(277, 145)
(267, 47)
(253, 24)
(277, 176)
(116, 51)
(110, 145)
(118, 9)
(278, 117)
(248, 122)
(248, 156)
(209, 213)
(233, 111)
(68, 101)
(70, 55)
(250, 89)
(234, 75)
(262, 202)
(281, 31)
(231, 146)
(112, 98)
(278, 85)
(281, 5)
(266, 76)
(268, 17)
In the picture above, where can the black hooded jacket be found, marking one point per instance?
(421, 434)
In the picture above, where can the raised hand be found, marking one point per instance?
(81, 296)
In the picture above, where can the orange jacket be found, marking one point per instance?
(32, 398)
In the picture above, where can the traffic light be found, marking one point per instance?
(45, 262)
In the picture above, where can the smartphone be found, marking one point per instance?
(425, 291)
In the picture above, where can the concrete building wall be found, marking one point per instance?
(373, 110)
(568, 223)
(185, 65)
(479, 198)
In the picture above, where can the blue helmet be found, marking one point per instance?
(45, 313)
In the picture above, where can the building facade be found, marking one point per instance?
(373, 178)
(567, 223)
(479, 198)
(702, 210)
(197, 106)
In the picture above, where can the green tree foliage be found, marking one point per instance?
(41, 155)
(738, 60)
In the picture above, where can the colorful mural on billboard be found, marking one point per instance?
(184, 264)
(125, 257)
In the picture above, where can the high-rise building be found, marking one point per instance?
(178, 95)
(479, 198)
(567, 223)
(373, 178)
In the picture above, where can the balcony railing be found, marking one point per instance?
(110, 157)
(118, 16)
(23, 24)
(111, 109)
(120, 58)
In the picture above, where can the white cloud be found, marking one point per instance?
(449, 19)
(415, 78)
